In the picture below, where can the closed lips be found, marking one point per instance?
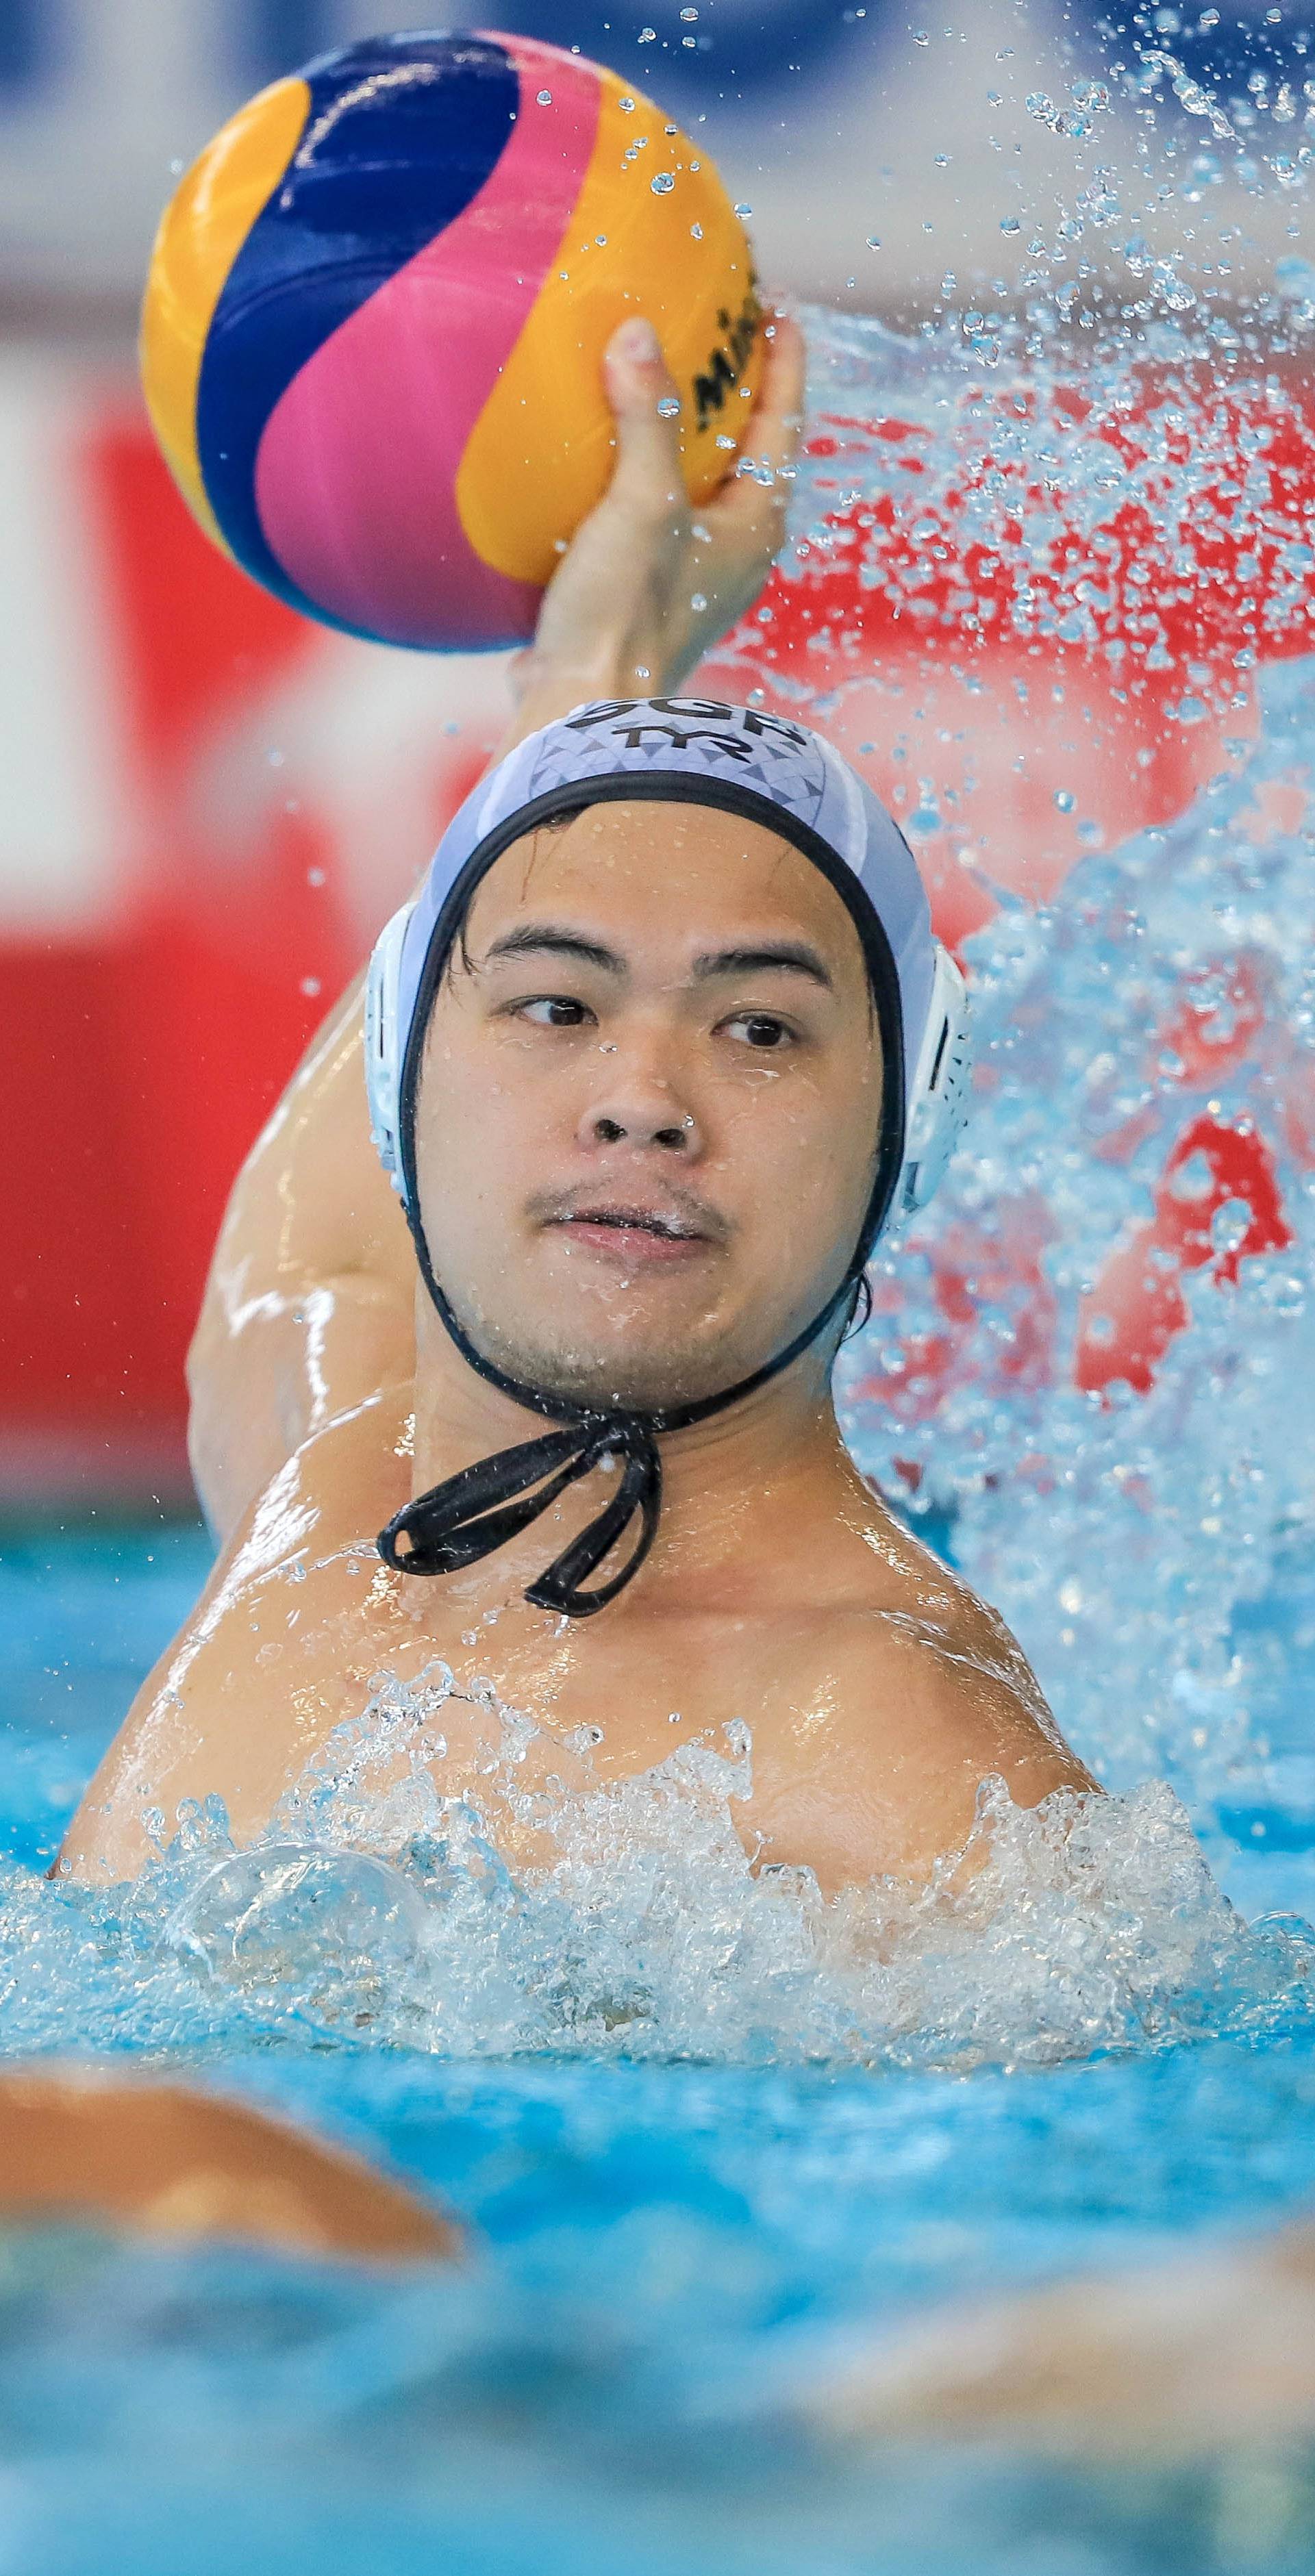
(668, 1229)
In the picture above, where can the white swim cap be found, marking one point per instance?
(688, 751)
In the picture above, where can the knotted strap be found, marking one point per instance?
(472, 1513)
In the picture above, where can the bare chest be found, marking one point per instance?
(359, 1649)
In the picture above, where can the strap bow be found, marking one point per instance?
(475, 1512)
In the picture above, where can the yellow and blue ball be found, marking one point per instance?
(375, 317)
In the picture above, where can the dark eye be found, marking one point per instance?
(555, 1011)
(761, 1029)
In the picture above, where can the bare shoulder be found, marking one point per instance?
(909, 1693)
(959, 1660)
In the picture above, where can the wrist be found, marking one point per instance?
(545, 686)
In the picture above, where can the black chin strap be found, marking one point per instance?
(471, 1514)
(476, 1511)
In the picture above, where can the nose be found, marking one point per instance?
(638, 1104)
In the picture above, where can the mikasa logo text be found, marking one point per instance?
(723, 372)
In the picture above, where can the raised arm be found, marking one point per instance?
(309, 1306)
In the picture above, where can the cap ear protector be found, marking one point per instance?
(385, 1041)
(937, 1094)
(938, 1091)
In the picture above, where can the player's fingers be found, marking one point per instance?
(776, 421)
(751, 505)
(646, 409)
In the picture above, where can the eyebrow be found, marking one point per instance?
(537, 937)
(780, 956)
(789, 956)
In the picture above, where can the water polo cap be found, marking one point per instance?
(690, 751)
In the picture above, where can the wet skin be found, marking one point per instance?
(645, 1144)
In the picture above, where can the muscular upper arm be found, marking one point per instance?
(309, 1305)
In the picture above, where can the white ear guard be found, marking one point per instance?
(938, 1092)
(384, 1040)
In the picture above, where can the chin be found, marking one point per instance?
(636, 1374)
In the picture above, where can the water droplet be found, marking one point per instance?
(696, 232)
(921, 36)
(175, 169)
(545, 98)
(1065, 799)
(723, 440)
(1010, 224)
(627, 106)
(668, 407)
(662, 184)
(689, 16)
(648, 35)
(874, 241)
(744, 213)
(309, 985)
(697, 602)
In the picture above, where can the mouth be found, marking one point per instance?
(633, 1235)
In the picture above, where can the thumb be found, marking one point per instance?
(646, 410)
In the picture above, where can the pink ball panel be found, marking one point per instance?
(357, 466)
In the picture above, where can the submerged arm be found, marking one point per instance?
(309, 1306)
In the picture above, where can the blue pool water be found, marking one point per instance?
(665, 2249)
(699, 2125)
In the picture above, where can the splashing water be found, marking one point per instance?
(644, 1933)
(1095, 1350)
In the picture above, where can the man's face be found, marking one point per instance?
(650, 1103)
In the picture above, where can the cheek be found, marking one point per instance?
(467, 1134)
(809, 1137)
(484, 1126)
